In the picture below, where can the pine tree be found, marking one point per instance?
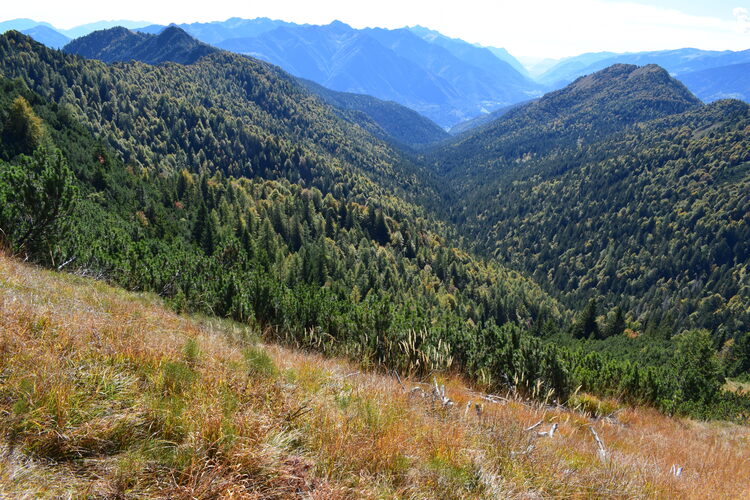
(697, 367)
(587, 327)
(616, 324)
(741, 356)
(36, 199)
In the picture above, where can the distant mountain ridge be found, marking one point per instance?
(724, 82)
(446, 80)
(218, 31)
(25, 25)
(121, 44)
(47, 36)
(684, 64)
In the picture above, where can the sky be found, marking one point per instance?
(540, 28)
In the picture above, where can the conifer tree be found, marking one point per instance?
(616, 324)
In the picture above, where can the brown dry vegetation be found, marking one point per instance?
(104, 393)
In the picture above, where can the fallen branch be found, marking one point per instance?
(59, 268)
(602, 450)
(550, 432)
(439, 393)
(398, 378)
(533, 426)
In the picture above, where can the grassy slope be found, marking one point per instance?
(106, 393)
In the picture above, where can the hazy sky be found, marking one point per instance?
(551, 28)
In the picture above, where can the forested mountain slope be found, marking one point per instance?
(123, 45)
(334, 261)
(331, 260)
(635, 194)
(225, 112)
(587, 110)
(386, 120)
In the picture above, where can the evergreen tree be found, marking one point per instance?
(696, 367)
(616, 324)
(36, 198)
(740, 360)
(586, 327)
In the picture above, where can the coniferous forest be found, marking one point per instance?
(596, 239)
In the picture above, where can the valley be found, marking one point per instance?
(233, 266)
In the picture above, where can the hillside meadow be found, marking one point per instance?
(106, 393)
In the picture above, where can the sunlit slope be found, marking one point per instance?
(106, 393)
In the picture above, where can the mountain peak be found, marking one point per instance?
(591, 108)
(173, 44)
(628, 82)
(174, 32)
(339, 26)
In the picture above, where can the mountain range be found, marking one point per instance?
(445, 79)
(459, 179)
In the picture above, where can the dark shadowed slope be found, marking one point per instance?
(385, 119)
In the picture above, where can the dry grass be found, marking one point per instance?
(107, 394)
(737, 386)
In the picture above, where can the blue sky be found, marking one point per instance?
(549, 28)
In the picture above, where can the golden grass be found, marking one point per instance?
(737, 386)
(104, 393)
